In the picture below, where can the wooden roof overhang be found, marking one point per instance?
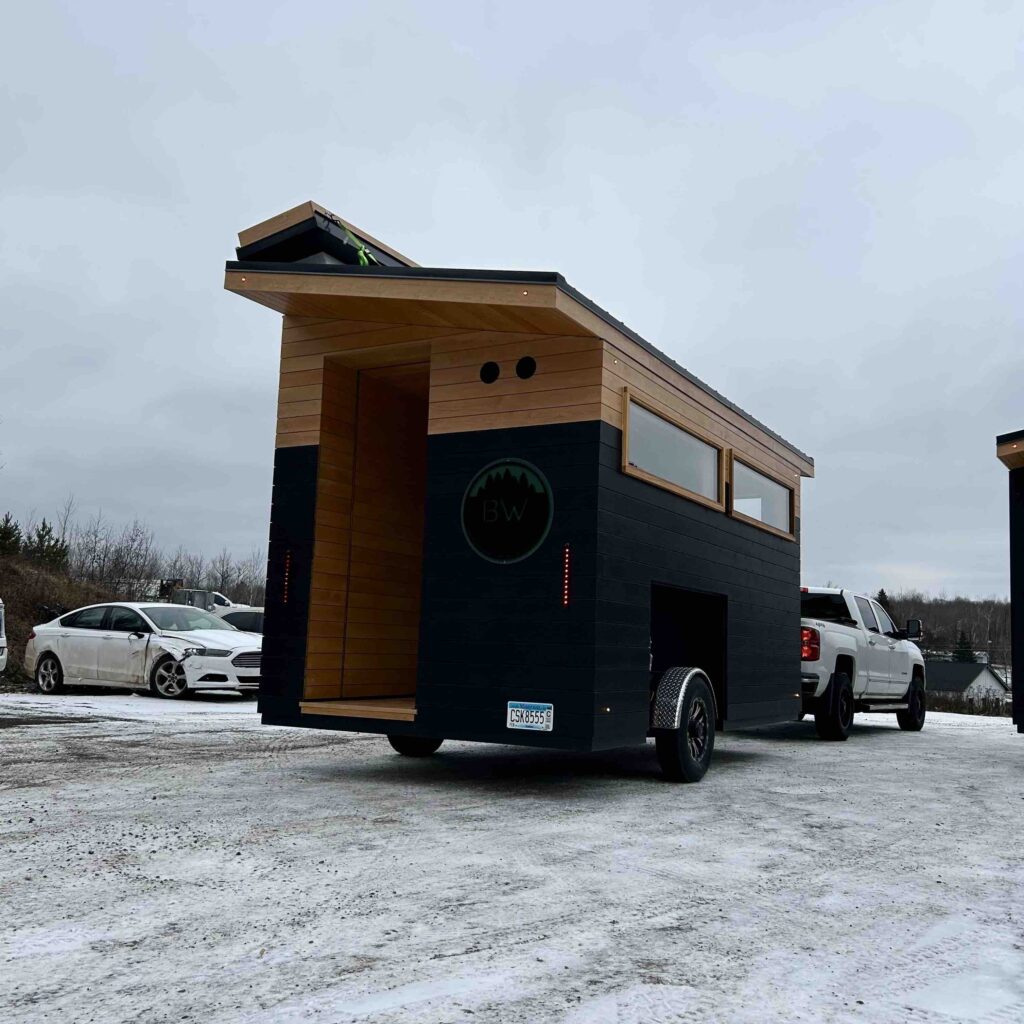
(1010, 449)
(410, 303)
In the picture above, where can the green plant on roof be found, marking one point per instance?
(363, 254)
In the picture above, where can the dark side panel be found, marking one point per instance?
(647, 536)
(491, 632)
(289, 570)
(1017, 590)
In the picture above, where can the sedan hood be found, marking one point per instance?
(218, 639)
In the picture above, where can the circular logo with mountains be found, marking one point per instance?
(506, 511)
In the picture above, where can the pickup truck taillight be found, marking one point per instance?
(810, 644)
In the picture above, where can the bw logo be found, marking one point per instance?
(506, 511)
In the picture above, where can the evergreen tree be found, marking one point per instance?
(44, 546)
(10, 536)
(964, 650)
(883, 599)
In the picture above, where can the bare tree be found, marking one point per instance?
(65, 518)
(222, 573)
(252, 577)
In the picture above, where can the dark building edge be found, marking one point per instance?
(289, 576)
(1017, 588)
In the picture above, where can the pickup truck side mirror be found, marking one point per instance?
(913, 630)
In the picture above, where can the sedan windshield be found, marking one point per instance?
(180, 618)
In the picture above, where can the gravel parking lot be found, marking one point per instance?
(180, 862)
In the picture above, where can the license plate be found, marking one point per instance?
(524, 715)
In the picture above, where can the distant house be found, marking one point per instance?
(963, 679)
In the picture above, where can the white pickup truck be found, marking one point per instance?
(853, 658)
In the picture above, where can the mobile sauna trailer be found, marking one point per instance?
(500, 515)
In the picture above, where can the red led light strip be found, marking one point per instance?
(566, 561)
(287, 574)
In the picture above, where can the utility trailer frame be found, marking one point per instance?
(500, 515)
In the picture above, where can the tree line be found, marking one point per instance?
(960, 628)
(126, 561)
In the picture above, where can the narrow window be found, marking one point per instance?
(670, 456)
(761, 499)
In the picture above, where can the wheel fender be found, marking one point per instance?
(670, 692)
(161, 647)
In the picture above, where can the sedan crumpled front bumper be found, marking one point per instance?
(203, 672)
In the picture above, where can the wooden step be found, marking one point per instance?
(396, 709)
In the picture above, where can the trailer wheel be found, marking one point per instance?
(834, 715)
(912, 719)
(685, 753)
(414, 746)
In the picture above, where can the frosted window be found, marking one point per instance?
(760, 497)
(666, 451)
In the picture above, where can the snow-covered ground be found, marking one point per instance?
(180, 862)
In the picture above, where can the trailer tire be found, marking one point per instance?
(414, 746)
(912, 719)
(834, 715)
(684, 754)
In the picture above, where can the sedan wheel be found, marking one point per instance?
(49, 677)
(168, 679)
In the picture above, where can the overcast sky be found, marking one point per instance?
(814, 207)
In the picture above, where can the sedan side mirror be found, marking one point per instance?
(136, 634)
(914, 630)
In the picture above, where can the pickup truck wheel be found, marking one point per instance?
(912, 720)
(684, 754)
(835, 709)
(414, 746)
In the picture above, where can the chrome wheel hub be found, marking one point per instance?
(170, 679)
(47, 677)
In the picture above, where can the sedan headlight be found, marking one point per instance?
(204, 652)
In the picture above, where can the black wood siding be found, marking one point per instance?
(493, 633)
(1017, 592)
(292, 514)
(648, 535)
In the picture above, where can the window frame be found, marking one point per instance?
(867, 600)
(755, 467)
(78, 612)
(659, 481)
(114, 609)
(877, 608)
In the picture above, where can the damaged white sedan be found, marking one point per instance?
(170, 649)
